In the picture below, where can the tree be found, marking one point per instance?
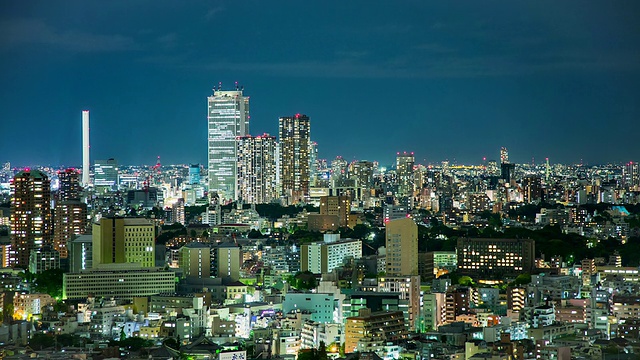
(41, 341)
(254, 234)
(49, 282)
(322, 351)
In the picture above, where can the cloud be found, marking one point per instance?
(213, 12)
(31, 31)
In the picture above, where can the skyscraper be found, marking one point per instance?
(402, 247)
(294, 157)
(404, 170)
(31, 226)
(256, 169)
(70, 188)
(228, 118)
(194, 174)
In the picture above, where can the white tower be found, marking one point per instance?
(85, 148)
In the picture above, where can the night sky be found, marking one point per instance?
(449, 80)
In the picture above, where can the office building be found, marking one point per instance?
(227, 261)
(105, 175)
(31, 225)
(124, 281)
(195, 260)
(70, 188)
(294, 132)
(322, 257)
(194, 174)
(119, 240)
(86, 162)
(495, 257)
(70, 220)
(256, 169)
(336, 205)
(228, 118)
(80, 253)
(402, 247)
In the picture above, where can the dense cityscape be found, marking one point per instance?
(270, 251)
(303, 180)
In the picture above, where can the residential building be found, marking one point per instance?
(31, 223)
(256, 169)
(322, 257)
(294, 136)
(386, 326)
(495, 257)
(195, 260)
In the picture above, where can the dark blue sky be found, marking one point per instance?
(447, 80)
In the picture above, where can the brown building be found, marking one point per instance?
(336, 205)
(70, 219)
(317, 222)
(386, 326)
(401, 247)
(31, 225)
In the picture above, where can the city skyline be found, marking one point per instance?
(437, 79)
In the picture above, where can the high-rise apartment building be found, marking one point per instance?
(256, 169)
(228, 118)
(70, 219)
(70, 187)
(336, 205)
(404, 170)
(362, 173)
(124, 240)
(631, 175)
(105, 175)
(401, 247)
(31, 225)
(228, 261)
(294, 134)
(532, 188)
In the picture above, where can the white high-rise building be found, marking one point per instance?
(228, 118)
(85, 148)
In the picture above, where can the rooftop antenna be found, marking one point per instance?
(219, 85)
(236, 85)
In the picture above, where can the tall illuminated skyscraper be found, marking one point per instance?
(294, 157)
(228, 118)
(404, 170)
(31, 226)
(256, 169)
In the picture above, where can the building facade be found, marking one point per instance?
(119, 240)
(402, 247)
(31, 223)
(256, 169)
(294, 132)
(228, 118)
